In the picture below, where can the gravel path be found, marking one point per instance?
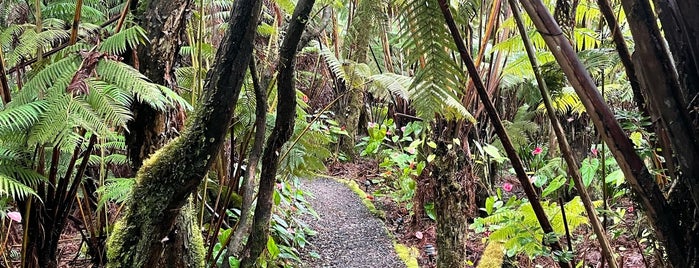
(349, 236)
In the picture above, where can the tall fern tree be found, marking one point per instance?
(65, 102)
(438, 84)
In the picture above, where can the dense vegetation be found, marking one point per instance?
(160, 133)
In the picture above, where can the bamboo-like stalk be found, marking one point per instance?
(566, 151)
(501, 132)
(76, 22)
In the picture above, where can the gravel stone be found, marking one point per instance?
(348, 235)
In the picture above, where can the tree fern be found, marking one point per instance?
(438, 84)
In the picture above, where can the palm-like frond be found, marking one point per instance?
(115, 190)
(126, 38)
(439, 83)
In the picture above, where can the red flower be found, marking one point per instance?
(594, 152)
(305, 98)
(507, 187)
(370, 197)
(630, 209)
(537, 151)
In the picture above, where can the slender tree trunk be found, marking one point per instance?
(500, 130)
(567, 152)
(243, 227)
(168, 178)
(642, 183)
(282, 131)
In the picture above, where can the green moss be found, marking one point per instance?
(492, 256)
(363, 196)
(407, 254)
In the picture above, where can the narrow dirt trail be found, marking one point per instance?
(349, 235)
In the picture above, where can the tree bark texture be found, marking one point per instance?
(664, 91)
(165, 22)
(168, 178)
(642, 183)
(454, 200)
(500, 130)
(282, 131)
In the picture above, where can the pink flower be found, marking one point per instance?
(537, 151)
(630, 209)
(402, 129)
(507, 187)
(388, 132)
(594, 152)
(305, 98)
(15, 216)
(411, 150)
(372, 124)
(487, 233)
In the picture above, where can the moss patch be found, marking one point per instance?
(407, 254)
(364, 196)
(492, 256)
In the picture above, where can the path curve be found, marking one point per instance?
(349, 236)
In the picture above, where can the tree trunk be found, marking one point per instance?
(165, 22)
(151, 129)
(282, 131)
(168, 178)
(454, 198)
(362, 30)
(664, 91)
(235, 245)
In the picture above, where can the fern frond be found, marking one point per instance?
(438, 84)
(61, 70)
(126, 38)
(114, 112)
(131, 80)
(20, 118)
(14, 189)
(115, 190)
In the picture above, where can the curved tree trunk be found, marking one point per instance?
(282, 131)
(168, 178)
(235, 246)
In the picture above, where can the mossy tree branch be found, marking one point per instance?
(168, 178)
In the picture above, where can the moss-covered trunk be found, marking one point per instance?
(167, 179)
(454, 196)
(362, 30)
